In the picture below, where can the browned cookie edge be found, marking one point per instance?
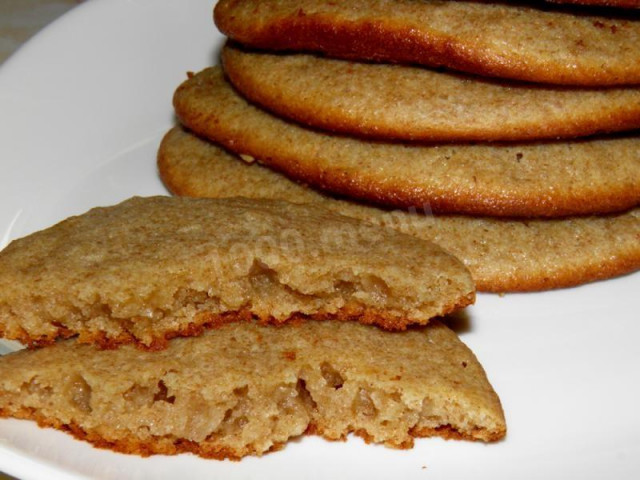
(613, 120)
(386, 41)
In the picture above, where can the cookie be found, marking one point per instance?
(546, 179)
(271, 384)
(407, 103)
(153, 268)
(517, 41)
(502, 255)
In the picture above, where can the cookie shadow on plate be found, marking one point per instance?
(459, 322)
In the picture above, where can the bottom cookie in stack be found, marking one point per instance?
(245, 389)
(502, 254)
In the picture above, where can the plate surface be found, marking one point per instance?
(82, 109)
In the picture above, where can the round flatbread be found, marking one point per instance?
(519, 41)
(537, 179)
(502, 255)
(407, 103)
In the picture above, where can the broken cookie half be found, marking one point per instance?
(246, 388)
(150, 269)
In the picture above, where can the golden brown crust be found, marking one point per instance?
(31, 341)
(500, 40)
(169, 445)
(389, 101)
(550, 179)
(104, 342)
(206, 320)
(559, 203)
(449, 433)
(133, 446)
(570, 277)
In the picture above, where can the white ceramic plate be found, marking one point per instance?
(82, 109)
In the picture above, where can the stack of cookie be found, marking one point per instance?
(517, 154)
(245, 284)
(515, 157)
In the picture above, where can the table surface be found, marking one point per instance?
(19, 21)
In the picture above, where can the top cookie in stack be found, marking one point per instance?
(547, 94)
(497, 39)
